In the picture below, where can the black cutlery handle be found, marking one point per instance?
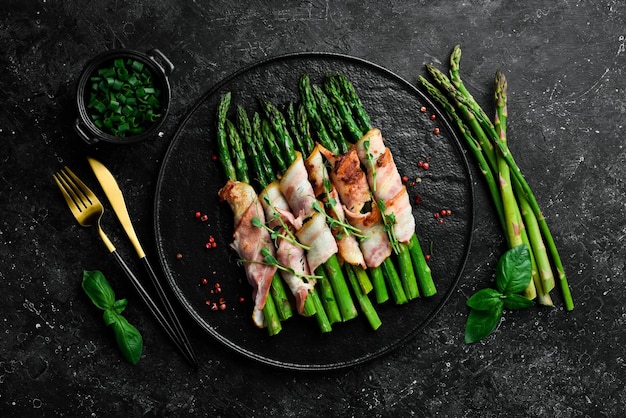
(152, 306)
(169, 310)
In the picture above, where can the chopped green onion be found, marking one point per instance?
(123, 99)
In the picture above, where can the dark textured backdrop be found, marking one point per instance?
(564, 61)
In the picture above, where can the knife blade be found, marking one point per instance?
(116, 199)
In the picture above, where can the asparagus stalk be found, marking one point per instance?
(469, 116)
(275, 153)
(333, 90)
(353, 100)
(245, 128)
(222, 140)
(512, 216)
(535, 242)
(313, 115)
(331, 118)
(292, 125)
(278, 122)
(303, 126)
(364, 302)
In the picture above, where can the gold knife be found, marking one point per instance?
(116, 199)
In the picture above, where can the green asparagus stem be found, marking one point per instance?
(340, 287)
(266, 170)
(333, 91)
(272, 146)
(327, 296)
(292, 126)
(241, 167)
(364, 302)
(320, 314)
(455, 78)
(395, 285)
(363, 279)
(308, 100)
(280, 298)
(539, 256)
(330, 118)
(245, 130)
(378, 283)
(407, 274)
(354, 102)
(424, 279)
(222, 139)
(304, 129)
(469, 116)
(512, 216)
(272, 319)
(278, 122)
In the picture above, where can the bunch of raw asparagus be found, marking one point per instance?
(518, 211)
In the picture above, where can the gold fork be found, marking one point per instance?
(88, 211)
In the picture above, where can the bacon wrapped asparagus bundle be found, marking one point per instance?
(251, 242)
(244, 203)
(342, 94)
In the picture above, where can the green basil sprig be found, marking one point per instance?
(101, 294)
(513, 275)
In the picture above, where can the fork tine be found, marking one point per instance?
(82, 187)
(79, 189)
(70, 197)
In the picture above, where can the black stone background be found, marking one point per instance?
(567, 109)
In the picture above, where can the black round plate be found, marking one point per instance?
(190, 178)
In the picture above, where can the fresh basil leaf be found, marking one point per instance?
(514, 301)
(128, 339)
(98, 289)
(513, 272)
(485, 299)
(481, 323)
(119, 305)
(109, 316)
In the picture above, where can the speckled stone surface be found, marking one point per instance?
(567, 109)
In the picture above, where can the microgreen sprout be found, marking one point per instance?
(370, 160)
(270, 260)
(389, 220)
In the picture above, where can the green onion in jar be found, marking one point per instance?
(123, 99)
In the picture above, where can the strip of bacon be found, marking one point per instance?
(297, 189)
(249, 240)
(288, 254)
(315, 232)
(316, 235)
(351, 183)
(349, 249)
(385, 182)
